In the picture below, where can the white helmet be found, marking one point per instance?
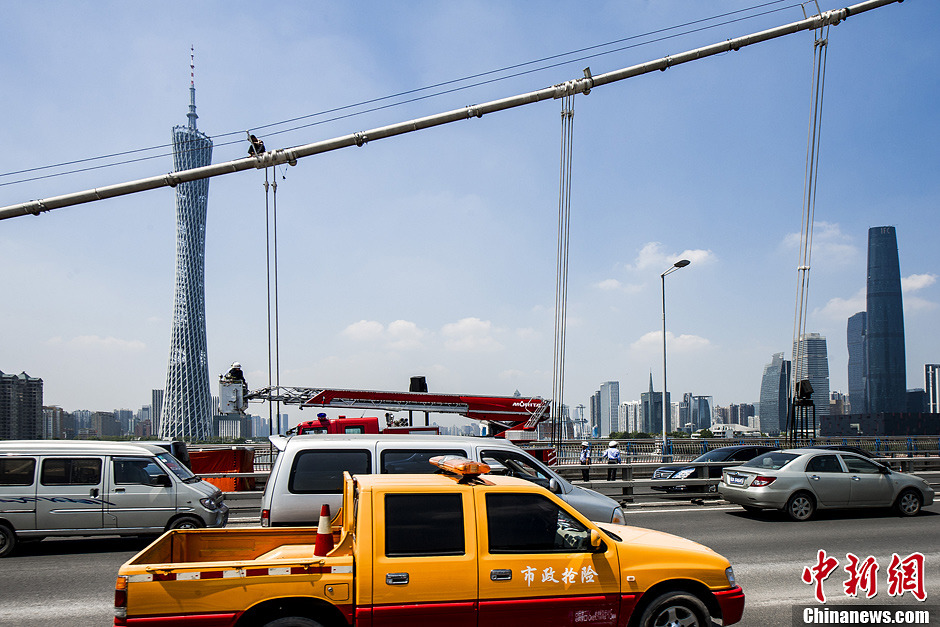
(585, 444)
(236, 365)
(612, 444)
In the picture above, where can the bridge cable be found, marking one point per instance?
(561, 278)
(797, 428)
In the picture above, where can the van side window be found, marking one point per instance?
(531, 523)
(135, 470)
(320, 471)
(17, 470)
(423, 524)
(413, 461)
(515, 465)
(71, 471)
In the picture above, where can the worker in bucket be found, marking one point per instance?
(585, 460)
(236, 375)
(612, 456)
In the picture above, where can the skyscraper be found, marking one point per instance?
(812, 362)
(855, 333)
(774, 395)
(653, 411)
(887, 370)
(610, 407)
(187, 403)
(932, 387)
(20, 407)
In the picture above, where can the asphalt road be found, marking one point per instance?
(70, 582)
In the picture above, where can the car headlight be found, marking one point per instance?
(729, 573)
(208, 503)
(685, 473)
(618, 518)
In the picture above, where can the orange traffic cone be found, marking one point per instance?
(324, 533)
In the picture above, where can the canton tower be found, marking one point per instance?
(187, 402)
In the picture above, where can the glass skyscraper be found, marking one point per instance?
(812, 362)
(887, 369)
(187, 401)
(858, 362)
(774, 398)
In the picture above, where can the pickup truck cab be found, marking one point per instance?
(463, 549)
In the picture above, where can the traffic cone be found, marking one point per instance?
(324, 533)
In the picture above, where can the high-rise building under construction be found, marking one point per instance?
(187, 401)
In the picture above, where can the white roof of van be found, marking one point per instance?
(77, 447)
(308, 440)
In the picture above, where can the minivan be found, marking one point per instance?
(69, 488)
(308, 471)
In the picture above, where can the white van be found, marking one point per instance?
(308, 471)
(73, 487)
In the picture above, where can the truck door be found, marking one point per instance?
(70, 493)
(424, 569)
(141, 494)
(537, 565)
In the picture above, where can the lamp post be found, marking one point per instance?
(679, 264)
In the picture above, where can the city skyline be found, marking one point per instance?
(434, 254)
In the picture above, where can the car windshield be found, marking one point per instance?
(716, 455)
(178, 469)
(774, 460)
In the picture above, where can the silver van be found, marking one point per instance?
(308, 471)
(69, 487)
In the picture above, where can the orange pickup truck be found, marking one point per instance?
(460, 548)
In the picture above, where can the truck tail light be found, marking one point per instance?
(761, 481)
(120, 598)
(265, 518)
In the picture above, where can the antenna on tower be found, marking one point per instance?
(192, 87)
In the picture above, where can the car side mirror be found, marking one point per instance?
(885, 470)
(162, 481)
(553, 486)
(597, 544)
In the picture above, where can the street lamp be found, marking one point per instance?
(679, 264)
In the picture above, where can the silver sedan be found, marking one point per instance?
(800, 481)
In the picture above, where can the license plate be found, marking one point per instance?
(735, 480)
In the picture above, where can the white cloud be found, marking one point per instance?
(653, 256)
(364, 331)
(916, 282)
(403, 334)
(844, 308)
(653, 342)
(828, 241)
(609, 285)
(470, 335)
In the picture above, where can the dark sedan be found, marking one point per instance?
(727, 455)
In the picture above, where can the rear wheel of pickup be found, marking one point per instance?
(675, 609)
(293, 621)
(7, 540)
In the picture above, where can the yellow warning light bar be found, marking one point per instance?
(459, 465)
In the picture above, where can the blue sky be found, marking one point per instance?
(434, 253)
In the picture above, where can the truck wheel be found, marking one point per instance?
(800, 506)
(675, 609)
(908, 503)
(293, 621)
(186, 522)
(7, 540)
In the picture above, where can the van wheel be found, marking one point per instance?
(293, 621)
(675, 609)
(7, 540)
(185, 522)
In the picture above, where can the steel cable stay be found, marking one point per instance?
(274, 352)
(797, 428)
(561, 278)
(291, 155)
